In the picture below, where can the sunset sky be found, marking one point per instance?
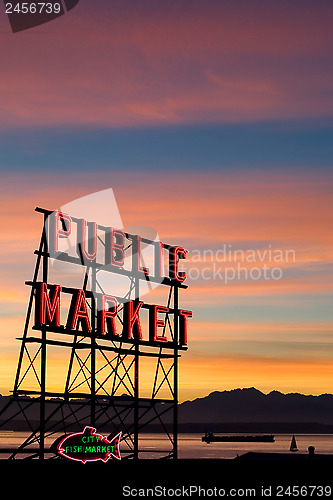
(212, 122)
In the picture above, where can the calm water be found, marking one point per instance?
(191, 446)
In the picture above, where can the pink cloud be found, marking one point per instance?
(133, 67)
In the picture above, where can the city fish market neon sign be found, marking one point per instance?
(88, 446)
(48, 298)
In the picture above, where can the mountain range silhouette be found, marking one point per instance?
(238, 410)
(251, 408)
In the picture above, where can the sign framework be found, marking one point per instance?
(105, 344)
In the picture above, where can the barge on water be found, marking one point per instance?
(210, 437)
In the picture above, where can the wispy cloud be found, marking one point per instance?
(175, 65)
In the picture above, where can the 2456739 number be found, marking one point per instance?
(33, 8)
(303, 491)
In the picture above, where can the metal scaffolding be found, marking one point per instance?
(101, 376)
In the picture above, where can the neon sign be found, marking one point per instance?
(87, 306)
(88, 446)
(48, 313)
(84, 236)
(88, 284)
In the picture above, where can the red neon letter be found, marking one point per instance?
(140, 269)
(183, 316)
(159, 262)
(47, 311)
(176, 253)
(107, 323)
(55, 232)
(132, 324)
(78, 312)
(154, 323)
(114, 247)
(88, 244)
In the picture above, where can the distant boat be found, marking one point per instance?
(293, 445)
(210, 437)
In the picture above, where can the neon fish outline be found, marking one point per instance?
(101, 441)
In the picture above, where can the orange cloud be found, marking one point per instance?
(266, 331)
(254, 213)
(224, 209)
